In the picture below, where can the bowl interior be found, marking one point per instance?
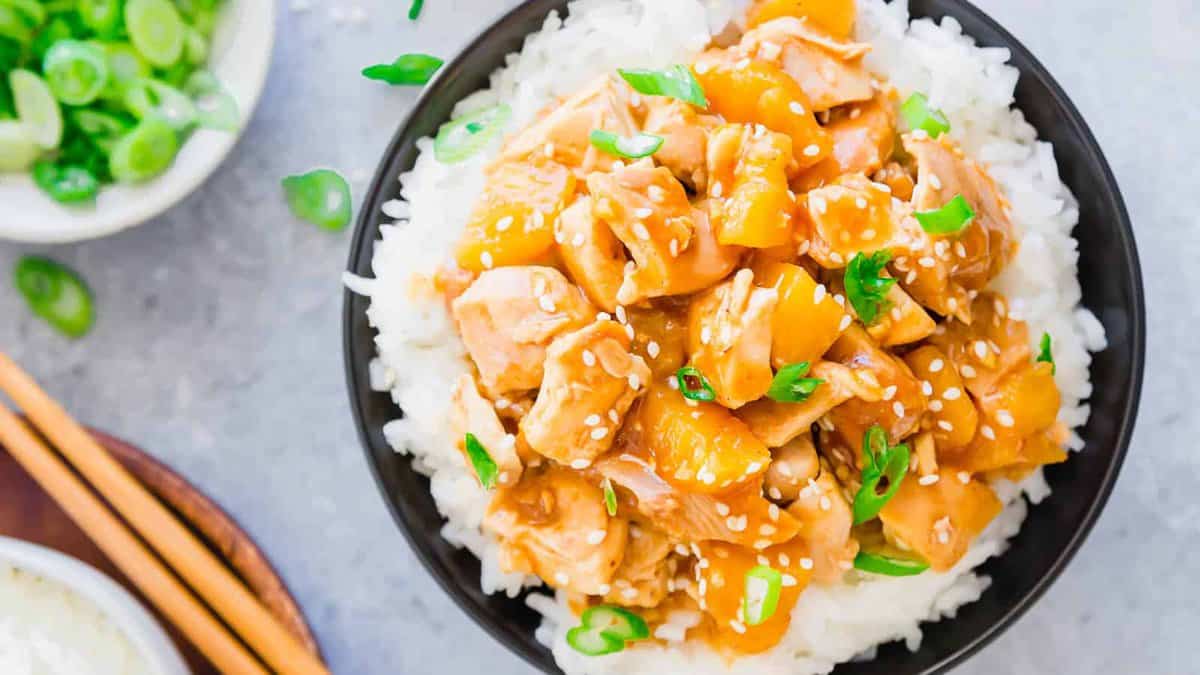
(1112, 289)
(240, 56)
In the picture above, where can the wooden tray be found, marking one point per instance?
(28, 513)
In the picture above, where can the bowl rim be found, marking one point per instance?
(366, 227)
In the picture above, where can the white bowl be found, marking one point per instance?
(240, 57)
(138, 626)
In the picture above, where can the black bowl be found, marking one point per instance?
(1054, 530)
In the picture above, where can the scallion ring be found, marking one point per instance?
(156, 30)
(461, 138)
(674, 82)
(866, 286)
(407, 69)
(633, 147)
(144, 152)
(215, 106)
(56, 294)
(75, 71)
(1045, 353)
(920, 115)
(951, 218)
(791, 386)
(762, 588)
(880, 461)
(610, 498)
(887, 565)
(693, 385)
(65, 184)
(414, 10)
(485, 467)
(604, 629)
(321, 196)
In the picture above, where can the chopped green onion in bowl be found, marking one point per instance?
(215, 107)
(147, 97)
(144, 152)
(18, 150)
(954, 216)
(156, 30)
(459, 139)
(917, 112)
(37, 107)
(56, 294)
(674, 82)
(66, 184)
(407, 69)
(633, 147)
(76, 72)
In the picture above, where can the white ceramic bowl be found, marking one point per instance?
(240, 57)
(145, 635)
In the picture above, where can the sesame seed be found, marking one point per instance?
(818, 204)
(936, 365)
(722, 508)
(819, 293)
(640, 231)
(967, 371)
(987, 432)
(795, 107)
(784, 560)
(868, 233)
(825, 503)
(589, 359)
(806, 563)
(845, 322)
(926, 387)
(612, 415)
(737, 626)
(672, 382)
(580, 463)
(603, 316)
(1005, 418)
(485, 259)
(860, 202)
(644, 212)
(504, 223)
(622, 315)
(599, 433)
(673, 247)
(502, 403)
(964, 477)
(889, 393)
(773, 512)
(546, 303)
(952, 393)
(766, 529)
(929, 480)
(629, 593)
(705, 335)
(898, 408)
(936, 405)
(952, 304)
(763, 560)
(760, 544)
(935, 181)
(561, 578)
(592, 420)
(774, 493)
(656, 193)
(560, 237)
(635, 382)
(840, 300)
(943, 537)
(717, 189)
(788, 580)
(981, 349)
(812, 150)
(743, 63)
(577, 240)
(596, 536)
(910, 277)
(945, 426)
(960, 250)
(926, 261)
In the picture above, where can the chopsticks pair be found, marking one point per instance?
(194, 563)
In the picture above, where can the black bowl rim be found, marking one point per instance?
(527, 10)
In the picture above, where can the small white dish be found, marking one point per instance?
(145, 635)
(240, 58)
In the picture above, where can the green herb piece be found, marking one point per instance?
(610, 498)
(65, 184)
(32, 10)
(866, 287)
(459, 139)
(152, 98)
(408, 69)
(414, 10)
(790, 384)
(125, 67)
(604, 629)
(954, 215)
(917, 112)
(761, 599)
(887, 565)
(156, 30)
(674, 82)
(56, 294)
(102, 16)
(693, 385)
(102, 128)
(634, 147)
(322, 197)
(17, 147)
(144, 152)
(58, 29)
(75, 71)
(485, 467)
(195, 47)
(37, 108)
(14, 26)
(881, 462)
(591, 642)
(215, 106)
(1045, 355)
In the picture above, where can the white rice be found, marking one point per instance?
(421, 355)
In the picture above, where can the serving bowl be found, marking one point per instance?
(240, 56)
(1052, 532)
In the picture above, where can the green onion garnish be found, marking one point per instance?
(604, 629)
(215, 107)
(144, 152)
(1045, 355)
(674, 82)
(102, 16)
(102, 129)
(790, 385)
(459, 139)
(610, 498)
(321, 196)
(148, 97)
(414, 10)
(17, 148)
(954, 215)
(65, 184)
(485, 466)
(761, 598)
(37, 108)
(75, 71)
(866, 288)
(408, 69)
(56, 294)
(919, 115)
(892, 566)
(693, 385)
(156, 30)
(880, 461)
(634, 147)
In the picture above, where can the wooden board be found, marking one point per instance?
(28, 513)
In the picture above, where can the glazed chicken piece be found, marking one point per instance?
(792, 465)
(591, 253)
(685, 138)
(672, 243)
(939, 521)
(952, 415)
(553, 524)
(903, 323)
(802, 302)
(729, 338)
(864, 136)
(1015, 421)
(512, 222)
(562, 135)
(641, 580)
(825, 520)
(508, 317)
(900, 408)
(660, 336)
(749, 200)
(898, 179)
(853, 215)
(941, 271)
(835, 17)
(590, 381)
(776, 423)
(472, 414)
(828, 70)
(989, 348)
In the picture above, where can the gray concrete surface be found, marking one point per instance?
(218, 348)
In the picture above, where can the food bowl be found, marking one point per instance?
(1052, 532)
(240, 56)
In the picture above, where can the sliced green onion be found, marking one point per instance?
(591, 642)
(790, 384)
(37, 108)
(75, 71)
(144, 152)
(634, 147)
(878, 563)
(1045, 353)
(102, 16)
(322, 197)
(459, 139)
(693, 385)
(156, 30)
(674, 82)
(919, 115)
(125, 65)
(954, 215)
(15, 27)
(616, 622)
(414, 10)
(610, 498)
(103, 129)
(56, 294)
(17, 147)
(866, 287)
(147, 98)
(58, 29)
(66, 184)
(761, 598)
(195, 47)
(408, 69)
(35, 13)
(880, 461)
(215, 106)
(485, 467)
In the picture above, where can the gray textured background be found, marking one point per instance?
(218, 347)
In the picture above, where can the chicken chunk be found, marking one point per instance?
(953, 419)
(550, 524)
(660, 336)
(592, 255)
(749, 200)
(685, 138)
(590, 381)
(939, 520)
(903, 403)
(776, 423)
(853, 215)
(802, 302)
(508, 317)
(905, 321)
(792, 465)
(864, 136)
(641, 580)
(825, 520)
(473, 414)
(987, 350)
(828, 70)
(835, 17)
(729, 338)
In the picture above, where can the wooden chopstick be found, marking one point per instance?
(189, 558)
(126, 551)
